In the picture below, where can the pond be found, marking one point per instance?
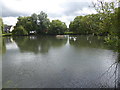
(58, 62)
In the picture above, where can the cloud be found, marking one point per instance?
(10, 20)
(9, 12)
(6, 12)
(54, 8)
(72, 7)
(63, 10)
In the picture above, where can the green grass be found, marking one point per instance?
(69, 33)
(7, 34)
(66, 33)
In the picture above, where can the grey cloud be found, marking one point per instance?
(6, 12)
(52, 15)
(72, 7)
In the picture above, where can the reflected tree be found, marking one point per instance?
(26, 43)
(114, 69)
(38, 44)
(3, 46)
(87, 41)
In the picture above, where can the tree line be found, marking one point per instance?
(39, 24)
(106, 23)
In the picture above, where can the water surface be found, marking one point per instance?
(58, 62)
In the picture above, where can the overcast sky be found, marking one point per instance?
(64, 10)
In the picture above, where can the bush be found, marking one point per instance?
(19, 31)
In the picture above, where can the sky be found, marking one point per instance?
(64, 10)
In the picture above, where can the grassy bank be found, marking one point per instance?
(7, 34)
(65, 33)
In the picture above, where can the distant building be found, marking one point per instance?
(8, 28)
(32, 32)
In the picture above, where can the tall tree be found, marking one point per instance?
(26, 23)
(34, 18)
(43, 23)
(118, 19)
(106, 11)
(110, 21)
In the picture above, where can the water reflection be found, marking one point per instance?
(49, 61)
(118, 80)
(40, 44)
(98, 42)
(87, 41)
(7, 43)
(3, 46)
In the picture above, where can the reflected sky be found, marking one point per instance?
(48, 61)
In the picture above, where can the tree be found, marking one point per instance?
(107, 13)
(110, 16)
(26, 23)
(57, 27)
(92, 23)
(84, 24)
(34, 18)
(77, 25)
(20, 30)
(118, 19)
(43, 23)
(1, 25)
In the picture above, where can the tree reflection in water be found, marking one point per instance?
(3, 46)
(115, 76)
(87, 41)
(38, 44)
(42, 44)
(93, 42)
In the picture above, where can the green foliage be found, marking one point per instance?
(118, 21)
(106, 22)
(57, 27)
(34, 18)
(102, 23)
(110, 16)
(25, 22)
(76, 25)
(37, 23)
(40, 24)
(20, 30)
(43, 23)
(1, 26)
(7, 34)
(70, 33)
(88, 24)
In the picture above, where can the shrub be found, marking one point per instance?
(19, 31)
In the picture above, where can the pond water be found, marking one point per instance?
(58, 62)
